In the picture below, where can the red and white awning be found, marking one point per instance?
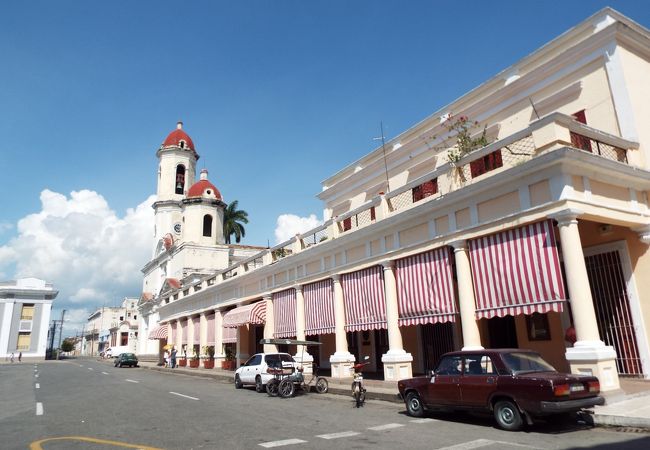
(255, 313)
(159, 332)
(319, 307)
(229, 335)
(425, 290)
(517, 272)
(364, 298)
(284, 313)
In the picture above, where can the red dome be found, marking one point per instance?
(179, 138)
(202, 187)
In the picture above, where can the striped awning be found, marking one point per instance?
(284, 313)
(319, 307)
(230, 335)
(254, 313)
(160, 332)
(363, 295)
(517, 272)
(425, 290)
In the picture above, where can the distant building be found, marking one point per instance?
(111, 326)
(25, 306)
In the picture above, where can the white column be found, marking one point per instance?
(269, 326)
(589, 354)
(302, 355)
(179, 338)
(342, 360)
(466, 299)
(397, 363)
(190, 337)
(218, 338)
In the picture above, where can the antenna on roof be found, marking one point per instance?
(383, 147)
(533, 105)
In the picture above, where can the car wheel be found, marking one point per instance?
(414, 405)
(321, 385)
(238, 383)
(507, 415)
(259, 387)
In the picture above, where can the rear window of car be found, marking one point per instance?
(276, 360)
(526, 362)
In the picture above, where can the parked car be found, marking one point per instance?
(126, 359)
(514, 384)
(254, 371)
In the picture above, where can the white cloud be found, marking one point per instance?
(288, 225)
(81, 246)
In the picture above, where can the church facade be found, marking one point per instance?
(516, 216)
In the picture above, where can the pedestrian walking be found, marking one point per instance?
(166, 357)
(20, 356)
(11, 357)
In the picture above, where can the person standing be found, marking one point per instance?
(11, 357)
(166, 358)
(173, 358)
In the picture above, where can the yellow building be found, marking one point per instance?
(528, 228)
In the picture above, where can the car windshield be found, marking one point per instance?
(526, 362)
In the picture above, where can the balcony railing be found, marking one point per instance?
(547, 134)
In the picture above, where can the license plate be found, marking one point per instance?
(577, 387)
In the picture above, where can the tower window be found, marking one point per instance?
(180, 179)
(207, 225)
(181, 144)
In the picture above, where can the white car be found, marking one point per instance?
(254, 371)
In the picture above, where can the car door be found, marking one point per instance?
(443, 387)
(479, 380)
(251, 368)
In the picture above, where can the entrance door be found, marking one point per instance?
(612, 305)
(437, 339)
(502, 332)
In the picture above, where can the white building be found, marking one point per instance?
(111, 326)
(25, 306)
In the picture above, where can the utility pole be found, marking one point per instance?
(58, 353)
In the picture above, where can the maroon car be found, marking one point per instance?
(514, 384)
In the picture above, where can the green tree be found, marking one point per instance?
(67, 345)
(233, 219)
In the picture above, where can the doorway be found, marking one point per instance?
(502, 332)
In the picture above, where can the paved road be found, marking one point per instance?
(108, 407)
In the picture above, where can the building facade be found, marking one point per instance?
(25, 306)
(516, 216)
(111, 326)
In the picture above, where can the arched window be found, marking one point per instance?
(180, 179)
(207, 225)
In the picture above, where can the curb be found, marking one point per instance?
(609, 420)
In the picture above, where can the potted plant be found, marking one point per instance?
(194, 362)
(182, 361)
(229, 361)
(208, 358)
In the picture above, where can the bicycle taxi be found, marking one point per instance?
(288, 379)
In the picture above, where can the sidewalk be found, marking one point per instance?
(628, 407)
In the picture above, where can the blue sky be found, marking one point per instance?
(277, 96)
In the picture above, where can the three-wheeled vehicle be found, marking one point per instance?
(286, 380)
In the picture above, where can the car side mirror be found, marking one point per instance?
(431, 373)
(366, 358)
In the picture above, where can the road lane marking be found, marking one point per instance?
(283, 443)
(388, 426)
(39, 409)
(183, 395)
(131, 381)
(338, 435)
(37, 386)
(35, 375)
(36, 445)
(478, 443)
(424, 420)
(105, 373)
(90, 368)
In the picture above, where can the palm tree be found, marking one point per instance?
(233, 219)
